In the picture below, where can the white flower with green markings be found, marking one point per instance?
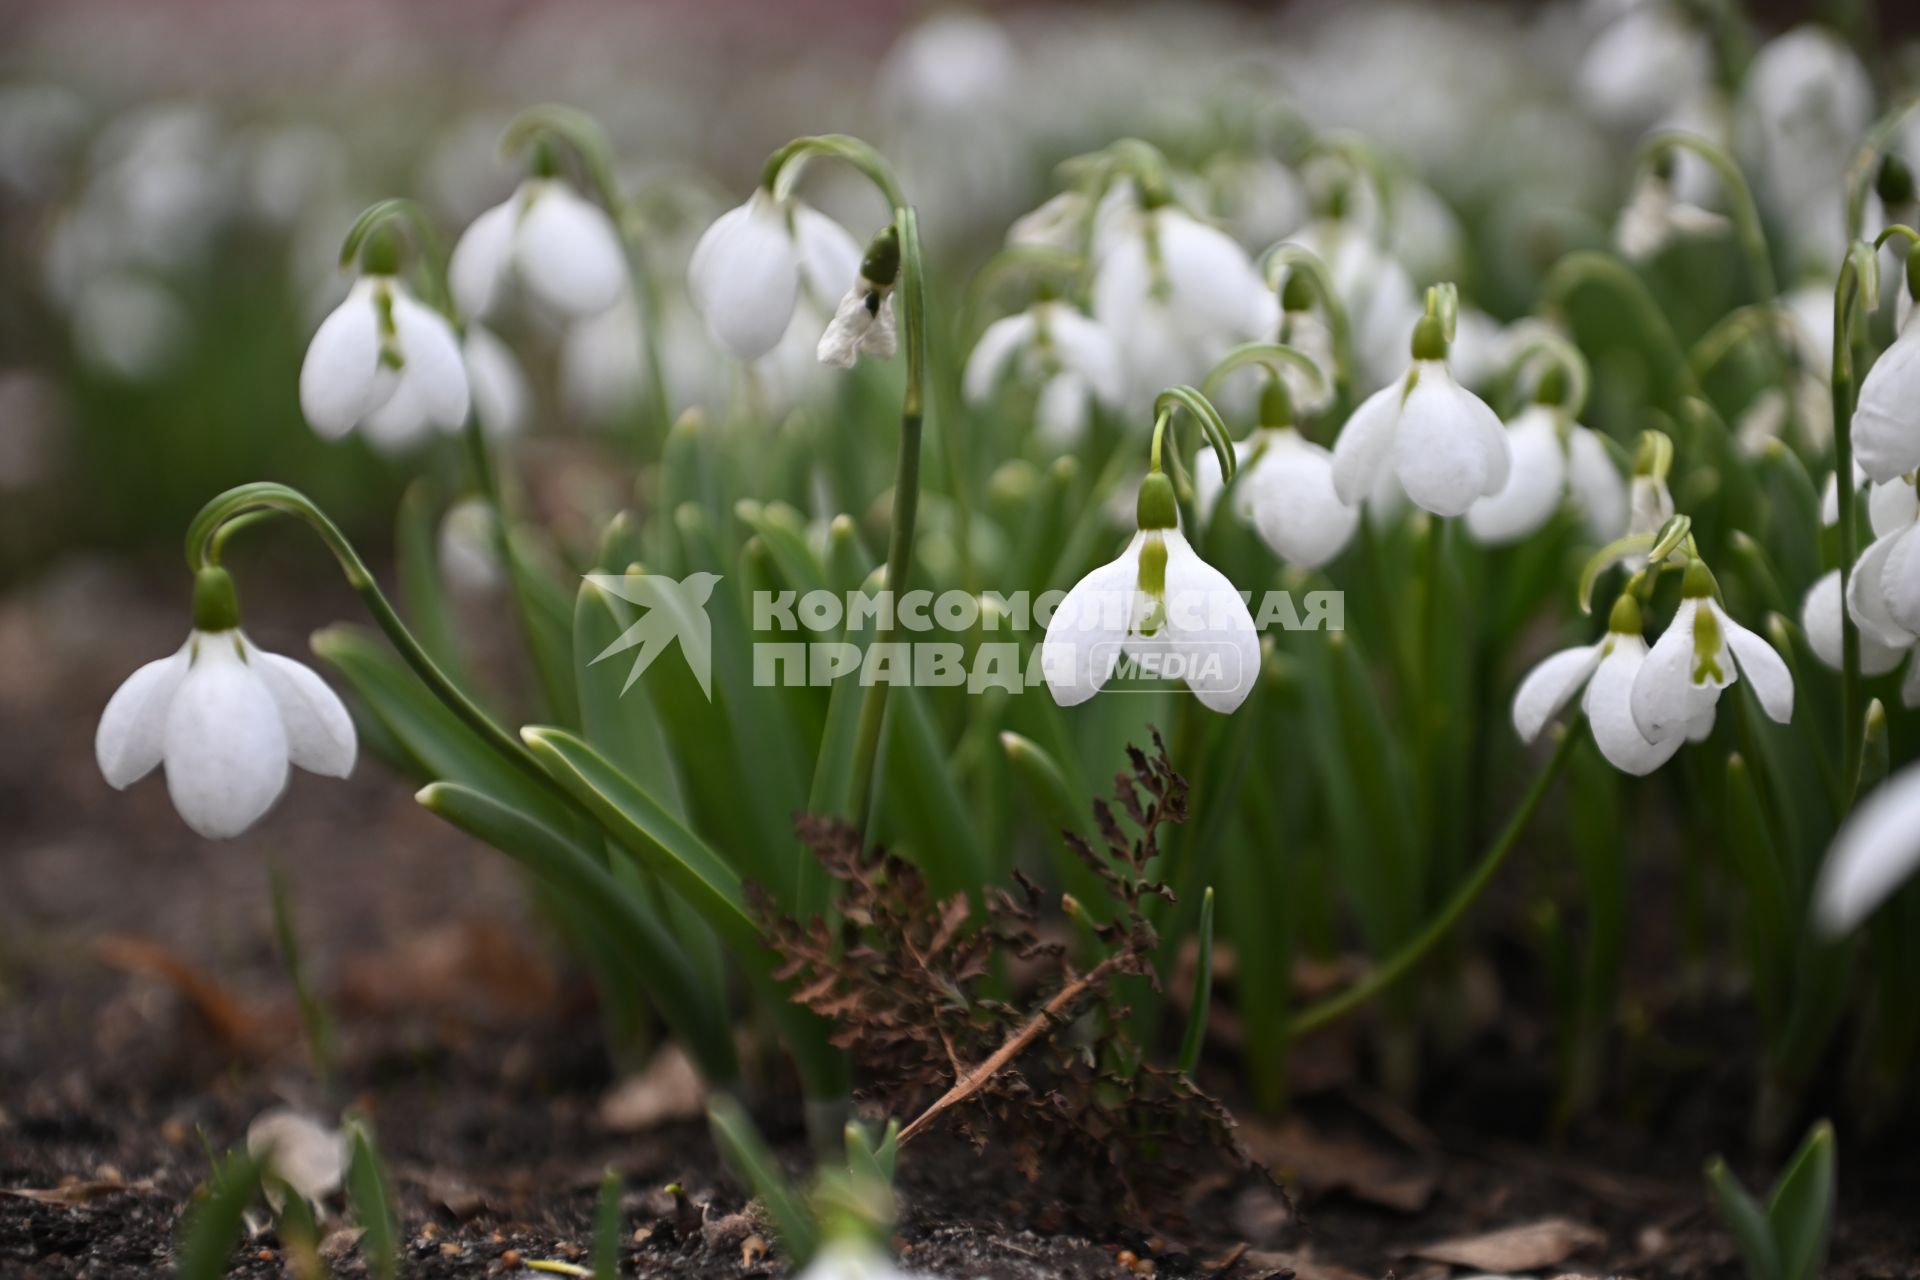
(557, 245)
(1606, 671)
(1701, 653)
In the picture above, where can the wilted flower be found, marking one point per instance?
(1069, 356)
(1444, 444)
(383, 352)
(1696, 658)
(1876, 848)
(560, 246)
(863, 322)
(1553, 458)
(1607, 671)
(225, 718)
(747, 269)
(1158, 601)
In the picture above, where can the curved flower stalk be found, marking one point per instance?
(383, 360)
(1068, 355)
(1374, 288)
(747, 269)
(1876, 849)
(1442, 442)
(546, 238)
(225, 719)
(1158, 601)
(1702, 651)
(1655, 216)
(1313, 320)
(1554, 459)
(1606, 671)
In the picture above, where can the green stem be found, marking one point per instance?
(1402, 961)
(1587, 266)
(1292, 257)
(1846, 294)
(1864, 168)
(204, 540)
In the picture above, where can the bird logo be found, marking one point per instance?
(672, 608)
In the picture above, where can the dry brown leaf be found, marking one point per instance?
(74, 1192)
(1322, 1163)
(1528, 1247)
(236, 1025)
(668, 1089)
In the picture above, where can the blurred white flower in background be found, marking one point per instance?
(300, 1153)
(1875, 850)
(469, 547)
(949, 93)
(1644, 59)
(1069, 357)
(385, 361)
(559, 246)
(1820, 619)
(1554, 459)
(502, 400)
(748, 269)
(1802, 110)
(129, 325)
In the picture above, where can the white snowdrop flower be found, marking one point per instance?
(558, 245)
(1875, 850)
(383, 352)
(1803, 107)
(1654, 218)
(469, 547)
(502, 401)
(1888, 505)
(850, 1259)
(1820, 619)
(300, 1153)
(1480, 348)
(1377, 291)
(1284, 487)
(1553, 459)
(129, 326)
(225, 719)
(1069, 356)
(1642, 64)
(1702, 652)
(1176, 294)
(1883, 591)
(1606, 671)
(603, 372)
(1259, 199)
(1060, 223)
(1886, 418)
(1444, 445)
(1649, 504)
(747, 270)
(862, 325)
(1163, 606)
(956, 61)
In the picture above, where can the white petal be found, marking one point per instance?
(567, 252)
(1820, 619)
(337, 377)
(1210, 626)
(829, 255)
(1550, 685)
(1867, 596)
(1608, 706)
(1089, 350)
(1365, 444)
(1207, 484)
(303, 1153)
(1900, 580)
(1441, 452)
(991, 353)
(744, 277)
(480, 261)
(1886, 419)
(132, 730)
(1061, 414)
(434, 370)
(1665, 695)
(1294, 505)
(1890, 506)
(226, 751)
(1534, 483)
(501, 397)
(1598, 490)
(1910, 686)
(1214, 283)
(1877, 848)
(1765, 671)
(319, 731)
(1649, 505)
(1088, 630)
(839, 346)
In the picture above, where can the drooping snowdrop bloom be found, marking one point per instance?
(501, 398)
(1703, 651)
(1553, 458)
(1886, 419)
(559, 246)
(1803, 107)
(1876, 848)
(747, 270)
(1376, 289)
(1176, 294)
(225, 719)
(383, 352)
(1284, 488)
(1442, 442)
(1159, 604)
(1059, 223)
(1820, 619)
(1654, 217)
(1883, 592)
(1642, 64)
(1068, 356)
(1260, 199)
(302, 1155)
(1607, 671)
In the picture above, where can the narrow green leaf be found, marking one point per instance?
(1196, 1036)
(924, 805)
(753, 1164)
(372, 1208)
(1800, 1210)
(606, 1229)
(619, 718)
(213, 1220)
(1742, 1216)
(1874, 757)
(313, 1015)
(546, 618)
(417, 569)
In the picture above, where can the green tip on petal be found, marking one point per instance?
(1430, 339)
(380, 252)
(1625, 618)
(1276, 404)
(1553, 387)
(1156, 507)
(1297, 294)
(216, 607)
(1699, 583)
(1706, 647)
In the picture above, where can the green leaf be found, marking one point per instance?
(606, 1229)
(754, 1165)
(1196, 1036)
(923, 802)
(417, 568)
(313, 1014)
(213, 1220)
(546, 618)
(619, 718)
(372, 1208)
(1742, 1216)
(1800, 1211)
(692, 1006)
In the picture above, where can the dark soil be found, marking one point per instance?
(144, 1013)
